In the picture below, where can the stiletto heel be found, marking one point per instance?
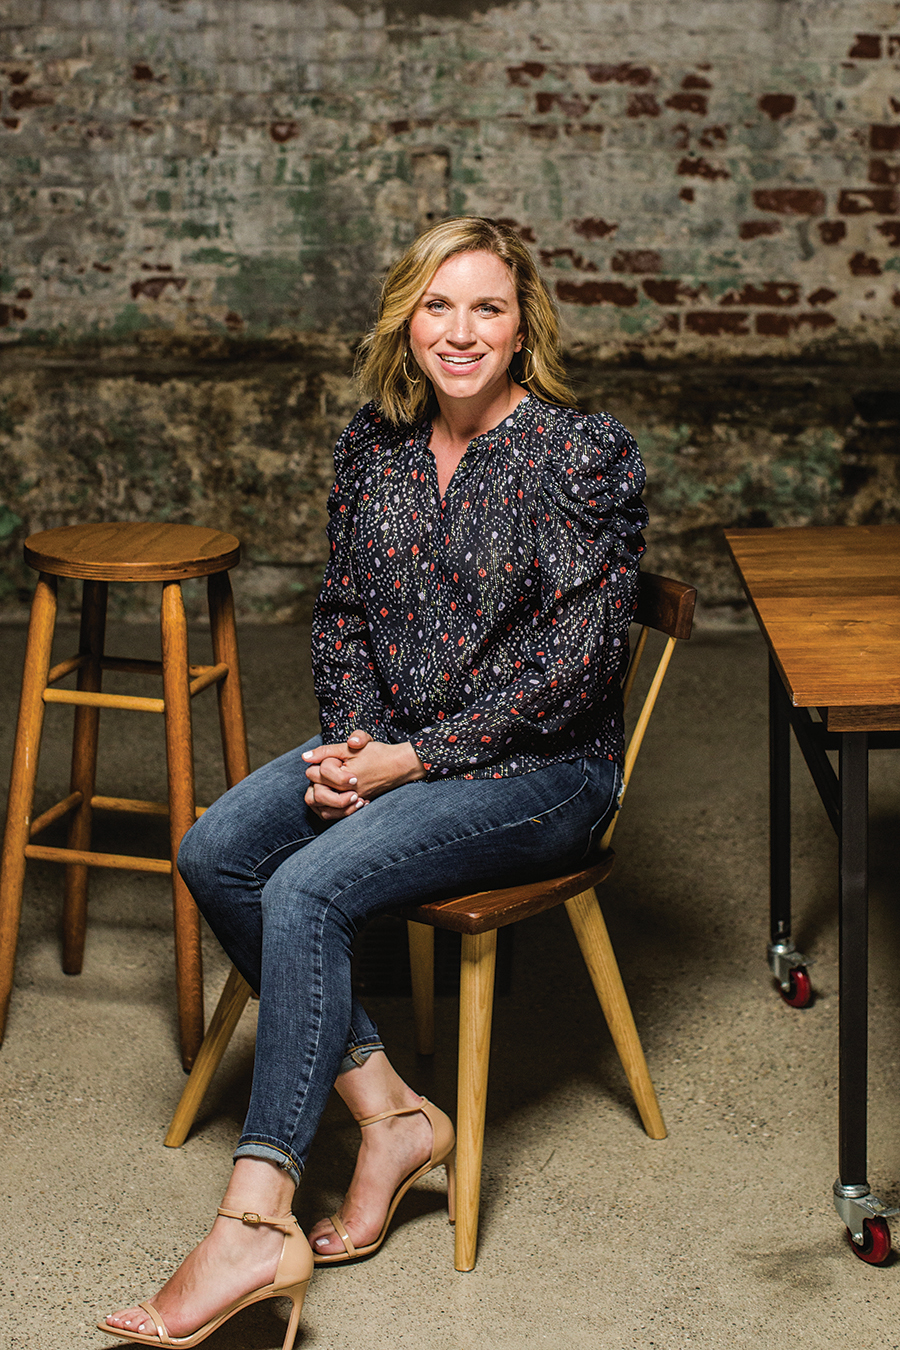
(451, 1186)
(443, 1150)
(295, 1266)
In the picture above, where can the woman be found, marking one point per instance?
(467, 648)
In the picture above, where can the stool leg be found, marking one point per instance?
(180, 762)
(231, 703)
(232, 1002)
(476, 1005)
(21, 785)
(421, 969)
(84, 773)
(590, 929)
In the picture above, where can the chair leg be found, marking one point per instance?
(180, 762)
(476, 1005)
(22, 778)
(421, 967)
(84, 773)
(593, 939)
(228, 1011)
(231, 704)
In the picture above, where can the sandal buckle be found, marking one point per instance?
(251, 1218)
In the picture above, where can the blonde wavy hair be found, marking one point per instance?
(384, 353)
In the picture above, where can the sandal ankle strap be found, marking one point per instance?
(251, 1217)
(400, 1111)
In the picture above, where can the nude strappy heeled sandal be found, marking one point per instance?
(295, 1266)
(443, 1150)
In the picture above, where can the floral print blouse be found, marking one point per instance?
(488, 626)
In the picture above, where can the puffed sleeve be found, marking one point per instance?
(588, 516)
(343, 671)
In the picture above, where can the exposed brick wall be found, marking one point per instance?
(698, 177)
(197, 198)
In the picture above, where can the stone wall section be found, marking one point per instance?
(198, 198)
(698, 177)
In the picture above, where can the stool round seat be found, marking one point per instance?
(132, 551)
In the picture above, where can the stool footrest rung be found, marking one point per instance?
(55, 813)
(137, 806)
(85, 698)
(78, 855)
(132, 805)
(203, 677)
(210, 675)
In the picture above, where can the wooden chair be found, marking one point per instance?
(668, 607)
(99, 554)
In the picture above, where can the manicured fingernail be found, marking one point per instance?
(353, 782)
(353, 797)
(307, 754)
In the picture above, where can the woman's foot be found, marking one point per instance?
(390, 1150)
(232, 1261)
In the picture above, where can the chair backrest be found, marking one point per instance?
(666, 606)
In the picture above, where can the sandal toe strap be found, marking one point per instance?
(343, 1235)
(162, 1330)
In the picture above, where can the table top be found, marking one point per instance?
(828, 601)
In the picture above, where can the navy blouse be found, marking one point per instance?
(488, 627)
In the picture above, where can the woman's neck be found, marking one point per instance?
(455, 426)
(459, 421)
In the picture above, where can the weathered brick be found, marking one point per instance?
(857, 201)
(636, 260)
(777, 106)
(790, 201)
(596, 293)
(885, 137)
(755, 229)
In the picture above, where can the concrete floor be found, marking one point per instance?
(591, 1234)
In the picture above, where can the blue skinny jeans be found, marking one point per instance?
(285, 894)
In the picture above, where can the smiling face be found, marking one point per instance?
(466, 327)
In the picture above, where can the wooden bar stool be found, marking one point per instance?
(99, 554)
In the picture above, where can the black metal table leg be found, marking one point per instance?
(779, 809)
(785, 962)
(864, 1214)
(854, 956)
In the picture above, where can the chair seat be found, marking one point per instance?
(132, 551)
(484, 911)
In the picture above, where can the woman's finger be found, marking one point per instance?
(322, 752)
(333, 774)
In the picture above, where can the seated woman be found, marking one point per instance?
(468, 644)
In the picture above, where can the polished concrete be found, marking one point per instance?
(593, 1237)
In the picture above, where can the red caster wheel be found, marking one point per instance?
(799, 994)
(875, 1247)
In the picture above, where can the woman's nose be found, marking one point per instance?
(461, 334)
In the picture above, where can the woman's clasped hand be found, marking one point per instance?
(345, 777)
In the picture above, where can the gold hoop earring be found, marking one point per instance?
(409, 379)
(526, 379)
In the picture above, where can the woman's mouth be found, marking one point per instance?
(459, 362)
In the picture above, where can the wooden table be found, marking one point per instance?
(828, 602)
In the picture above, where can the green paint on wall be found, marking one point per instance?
(191, 229)
(214, 255)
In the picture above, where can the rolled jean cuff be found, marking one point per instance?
(358, 1054)
(270, 1153)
